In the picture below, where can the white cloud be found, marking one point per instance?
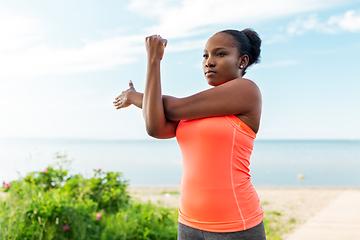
(23, 51)
(179, 19)
(17, 31)
(185, 45)
(300, 26)
(350, 21)
(93, 56)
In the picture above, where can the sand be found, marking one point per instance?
(293, 207)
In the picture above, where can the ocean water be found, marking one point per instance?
(158, 162)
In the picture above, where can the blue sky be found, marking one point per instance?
(63, 63)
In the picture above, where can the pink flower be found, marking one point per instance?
(98, 216)
(45, 170)
(65, 227)
(99, 169)
(7, 185)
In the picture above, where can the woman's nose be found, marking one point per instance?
(210, 62)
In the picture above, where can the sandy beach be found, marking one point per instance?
(292, 207)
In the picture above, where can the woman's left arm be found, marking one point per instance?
(157, 125)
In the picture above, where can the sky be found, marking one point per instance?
(62, 63)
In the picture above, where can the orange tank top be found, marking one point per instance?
(216, 192)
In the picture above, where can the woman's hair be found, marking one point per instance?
(248, 43)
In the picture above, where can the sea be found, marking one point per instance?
(274, 163)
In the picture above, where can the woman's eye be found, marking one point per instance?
(205, 56)
(221, 54)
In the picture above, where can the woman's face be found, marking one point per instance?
(221, 59)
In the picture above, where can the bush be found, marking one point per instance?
(52, 205)
(141, 221)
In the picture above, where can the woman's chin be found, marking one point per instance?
(213, 83)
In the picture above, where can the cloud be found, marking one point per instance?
(350, 21)
(94, 56)
(300, 26)
(23, 51)
(17, 31)
(180, 19)
(186, 45)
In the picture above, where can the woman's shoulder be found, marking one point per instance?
(243, 85)
(245, 81)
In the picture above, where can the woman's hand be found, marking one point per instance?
(125, 98)
(155, 47)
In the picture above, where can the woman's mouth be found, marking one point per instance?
(209, 73)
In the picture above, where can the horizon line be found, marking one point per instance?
(154, 139)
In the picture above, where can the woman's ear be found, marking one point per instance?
(244, 61)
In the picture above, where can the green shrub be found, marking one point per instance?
(53, 205)
(105, 188)
(141, 221)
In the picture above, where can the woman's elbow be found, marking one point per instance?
(156, 133)
(153, 129)
(152, 132)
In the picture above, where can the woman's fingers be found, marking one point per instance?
(158, 37)
(116, 102)
(164, 42)
(119, 95)
(121, 101)
(119, 104)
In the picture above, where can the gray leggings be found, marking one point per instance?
(189, 233)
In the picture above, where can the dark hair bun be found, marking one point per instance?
(248, 43)
(255, 42)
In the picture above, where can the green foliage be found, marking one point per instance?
(173, 192)
(274, 227)
(52, 205)
(292, 220)
(275, 213)
(105, 188)
(141, 221)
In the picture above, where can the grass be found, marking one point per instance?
(275, 226)
(172, 192)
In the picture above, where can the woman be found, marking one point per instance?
(215, 129)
